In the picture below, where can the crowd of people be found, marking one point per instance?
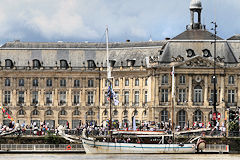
(43, 128)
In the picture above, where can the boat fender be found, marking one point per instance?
(170, 141)
(201, 145)
(68, 147)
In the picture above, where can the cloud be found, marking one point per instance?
(80, 20)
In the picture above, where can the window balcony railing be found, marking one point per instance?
(197, 103)
(164, 103)
(136, 104)
(90, 104)
(181, 103)
(232, 104)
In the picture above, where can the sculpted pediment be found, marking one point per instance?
(198, 62)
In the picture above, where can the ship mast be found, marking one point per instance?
(173, 98)
(109, 80)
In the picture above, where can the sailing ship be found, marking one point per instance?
(137, 141)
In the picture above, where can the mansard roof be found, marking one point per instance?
(79, 45)
(196, 34)
(235, 37)
(179, 48)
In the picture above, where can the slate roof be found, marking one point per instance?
(77, 45)
(196, 35)
(235, 37)
(176, 48)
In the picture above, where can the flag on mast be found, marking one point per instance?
(111, 94)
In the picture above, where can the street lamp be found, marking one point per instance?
(214, 74)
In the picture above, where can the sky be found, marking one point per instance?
(86, 20)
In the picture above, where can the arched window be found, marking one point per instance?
(63, 64)
(164, 115)
(21, 112)
(49, 112)
(63, 112)
(35, 112)
(105, 112)
(36, 64)
(181, 118)
(198, 94)
(76, 112)
(8, 63)
(90, 112)
(7, 82)
(125, 113)
(135, 112)
(115, 112)
(197, 116)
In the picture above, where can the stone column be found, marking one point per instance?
(190, 102)
(14, 98)
(206, 91)
(28, 97)
(55, 97)
(41, 97)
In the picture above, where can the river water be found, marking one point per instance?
(80, 156)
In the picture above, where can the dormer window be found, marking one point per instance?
(36, 64)
(8, 63)
(206, 53)
(112, 63)
(130, 62)
(63, 64)
(190, 53)
(91, 64)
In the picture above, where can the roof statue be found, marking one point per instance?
(195, 4)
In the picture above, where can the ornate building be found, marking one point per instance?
(66, 82)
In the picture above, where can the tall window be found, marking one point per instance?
(90, 83)
(35, 112)
(164, 95)
(76, 112)
(7, 97)
(164, 115)
(212, 79)
(212, 96)
(21, 82)
(49, 83)
(7, 82)
(126, 97)
(106, 97)
(126, 82)
(136, 97)
(116, 82)
(146, 82)
(106, 83)
(62, 97)
(21, 97)
(146, 97)
(231, 80)
(117, 96)
(182, 95)
(182, 79)
(181, 118)
(137, 82)
(90, 98)
(76, 83)
(231, 96)
(48, 97)
(21, 112)
(35, 82)
(35, 97)
(198, 94)
(198, 116)
(63, 82)
(165, 79)
(76, 98)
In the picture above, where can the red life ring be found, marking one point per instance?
(68, 147)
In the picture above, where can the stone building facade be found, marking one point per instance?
(66, 82)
